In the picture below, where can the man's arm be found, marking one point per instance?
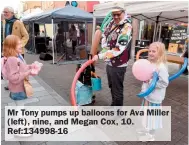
(122, 42)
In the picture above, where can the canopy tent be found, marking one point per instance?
(167, 11)
(68, 13)
(161, 11)
(30, 15)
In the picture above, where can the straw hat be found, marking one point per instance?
(117, 9)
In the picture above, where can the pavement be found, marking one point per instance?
(52, 87)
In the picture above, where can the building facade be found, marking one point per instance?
(49, 5)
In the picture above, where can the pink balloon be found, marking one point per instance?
(142, 70)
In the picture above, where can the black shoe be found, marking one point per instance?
(6, 88)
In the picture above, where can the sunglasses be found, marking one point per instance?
(116, 14)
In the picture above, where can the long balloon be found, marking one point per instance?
(106, 21)
(73, 98)
(176, 75)
(96, 42)
(151, 86)
(94, 48)
(98, 34)
(139, 52)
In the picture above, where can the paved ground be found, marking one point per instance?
(60, 79)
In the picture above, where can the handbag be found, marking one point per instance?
(27, 85)
(28, 88)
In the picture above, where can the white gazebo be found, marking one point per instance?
(154, 11)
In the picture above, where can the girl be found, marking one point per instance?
(157, 57)
(14, 68)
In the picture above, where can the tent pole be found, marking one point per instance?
(33, 37)
(157, 27)
(139, 31)
(157, 22)
(154, 32)
(86, 36)
(159, 31)
(52, 38)
(45, 34)
(94, 26)
(44, 29)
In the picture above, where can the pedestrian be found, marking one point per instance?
(2, 18)
(13, 26)
(14, 68)
(185, 54)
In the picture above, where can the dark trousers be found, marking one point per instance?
(115, 81)
(74, 43)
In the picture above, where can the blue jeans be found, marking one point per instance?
(18, 96)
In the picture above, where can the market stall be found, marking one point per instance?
(60, 15)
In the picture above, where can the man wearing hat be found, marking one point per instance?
(12, 26)
(116, 40)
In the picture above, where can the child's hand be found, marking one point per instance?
(147, 81)
(35, 68)
(33, 72)
(32, 66)
(29, 72)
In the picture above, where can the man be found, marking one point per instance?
(185, 54)
(116, 40)
(12, 26)
(2, 18)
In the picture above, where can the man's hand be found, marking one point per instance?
(95, 58)
(109, 55)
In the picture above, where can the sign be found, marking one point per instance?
(74, 3)
(67, 3)
(179, 35)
